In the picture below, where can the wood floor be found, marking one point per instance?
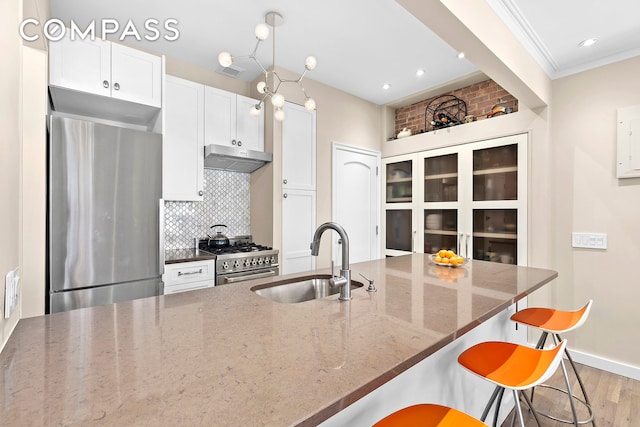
(615, 400)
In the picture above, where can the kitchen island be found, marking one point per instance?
(225, 356)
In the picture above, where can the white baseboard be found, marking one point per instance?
(612, 366)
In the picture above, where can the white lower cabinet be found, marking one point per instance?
(298, 226)
(189, 276)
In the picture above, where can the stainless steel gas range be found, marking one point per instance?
(242, 260)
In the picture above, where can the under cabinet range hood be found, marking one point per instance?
(234, 159)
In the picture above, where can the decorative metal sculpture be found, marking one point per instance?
(444, 111)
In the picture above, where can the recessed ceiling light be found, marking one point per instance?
(461, 55)
(420, 72)
(386, 86)
(587, 42)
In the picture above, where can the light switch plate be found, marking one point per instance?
(589, 240)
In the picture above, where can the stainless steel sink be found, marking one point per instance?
(300, 289)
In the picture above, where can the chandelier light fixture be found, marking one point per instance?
(273, 20)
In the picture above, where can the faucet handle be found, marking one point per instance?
(371, 287)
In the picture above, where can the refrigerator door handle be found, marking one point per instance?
(161, 236)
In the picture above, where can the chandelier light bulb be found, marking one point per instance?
(277, 100)
(311, 62)
(268, 87)
(262, 31)
(279, 114)
(310, 104)
(225, 59)
(255, 110)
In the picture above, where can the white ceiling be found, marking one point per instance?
(360, 45)
(551, 31)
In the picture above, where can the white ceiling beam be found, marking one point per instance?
(472, 27)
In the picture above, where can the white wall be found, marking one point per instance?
(10, 43)
(587, 197)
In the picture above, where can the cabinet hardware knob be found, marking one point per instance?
(285, 195)
(105, 84)
(116, 86)
(233, 142)
(239, 143)
(284, 181)
(200, 193)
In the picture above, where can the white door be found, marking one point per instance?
(298, 225)
(356, 202)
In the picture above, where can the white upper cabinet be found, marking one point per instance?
(135, 76)
(81, 65)
(299, 148)
(97, 78)
(228, 122)
(104, 68)
(249, 129)
(183, 140)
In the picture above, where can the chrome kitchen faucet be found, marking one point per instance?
(344, 280)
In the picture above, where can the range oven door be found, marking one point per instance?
(230, 278)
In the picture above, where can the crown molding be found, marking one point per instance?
(513, 17)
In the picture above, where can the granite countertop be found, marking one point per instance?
(226, 356)
(173, 256)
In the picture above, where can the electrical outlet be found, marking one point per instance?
(8, 294)
(11, 292)
(589, 240)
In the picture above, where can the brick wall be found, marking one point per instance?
(480, 99)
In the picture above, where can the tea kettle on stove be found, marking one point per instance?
(219, 240)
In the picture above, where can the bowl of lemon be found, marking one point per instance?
(447, 258)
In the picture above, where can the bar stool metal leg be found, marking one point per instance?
(556, 338)
(555, 322)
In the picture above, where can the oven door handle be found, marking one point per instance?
(249, 277)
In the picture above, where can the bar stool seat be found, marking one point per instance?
(556, 322)
(514, 367)
(551, 320)
(428, 415)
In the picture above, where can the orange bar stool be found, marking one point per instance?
(514, 367)
(428, 415)
(556, 322)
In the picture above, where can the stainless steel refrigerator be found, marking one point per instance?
(104, 210)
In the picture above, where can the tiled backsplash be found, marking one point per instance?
(225, 201)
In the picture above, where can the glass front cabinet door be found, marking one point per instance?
(439, 206)
(468, 198)
(400, 190)
(499, 215)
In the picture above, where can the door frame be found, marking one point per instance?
(377, 205)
